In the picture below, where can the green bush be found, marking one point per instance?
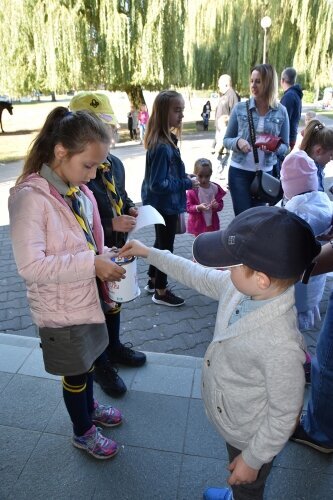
(308, 96)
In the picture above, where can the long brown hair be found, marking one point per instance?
(316, 134)
(158, 129)
(269, 80)
(74, 130)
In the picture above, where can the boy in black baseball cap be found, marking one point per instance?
(252, 377)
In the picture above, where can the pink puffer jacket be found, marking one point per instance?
(52, 256)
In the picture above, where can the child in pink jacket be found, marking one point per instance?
(58, 246)
(203, 203)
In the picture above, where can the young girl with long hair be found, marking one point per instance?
(58, 241)
(165, 183)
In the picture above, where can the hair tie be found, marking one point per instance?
(68, 113)
(319, 126)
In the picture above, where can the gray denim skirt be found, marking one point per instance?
(72, 350)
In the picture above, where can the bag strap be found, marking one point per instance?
(252, 135)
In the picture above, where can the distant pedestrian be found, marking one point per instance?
(165, 183)
(292, 100)
(252, 373)
(132, 123)
(227, 102)
(205, 201)
(300, 185)
(143, 118)
(318, 144)
(59, 249)
(206, 111)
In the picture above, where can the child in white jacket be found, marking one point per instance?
(300, 185)
(252, 377)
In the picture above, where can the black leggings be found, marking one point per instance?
(164, 240)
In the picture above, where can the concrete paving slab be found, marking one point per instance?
(161, 379)
(57, 470)
(294, 484)
(295, 456)
(201, 437)
(141, 474)
(33, 365)
(12, 357)
(16, 446)
(5, 379)
(196, 390)
(198, 473)
(152, 421)
(22, 405)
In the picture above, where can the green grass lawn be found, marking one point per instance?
(27, 119)
(328, 114)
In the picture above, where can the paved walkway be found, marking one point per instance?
(169, 450)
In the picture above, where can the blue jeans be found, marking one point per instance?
(142, 130)
(318, 422)
(239, 184)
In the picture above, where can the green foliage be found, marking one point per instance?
(154, 44)
(309, 96)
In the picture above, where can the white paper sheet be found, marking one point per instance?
(147, 216)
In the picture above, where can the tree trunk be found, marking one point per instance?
(135, 95)
(53, 96)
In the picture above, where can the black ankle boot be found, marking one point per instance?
(107, 377)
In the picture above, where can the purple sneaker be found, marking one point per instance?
(217, 494)
(106, 415)
(97, 445)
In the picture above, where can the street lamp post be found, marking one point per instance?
(266, 22)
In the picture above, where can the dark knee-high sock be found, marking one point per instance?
(90, 390)
(112, 321)
(75, 397)
(113, 326)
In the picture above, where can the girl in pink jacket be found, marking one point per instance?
(203, 203)
(57, 240)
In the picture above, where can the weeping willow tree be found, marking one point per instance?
(56, 45)
(226, 37)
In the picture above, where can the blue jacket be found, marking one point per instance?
(292, 100)
(276, 123)
(97, 186)
(165, 183)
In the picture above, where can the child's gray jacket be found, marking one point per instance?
(253, 376)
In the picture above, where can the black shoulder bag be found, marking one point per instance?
(264, 186)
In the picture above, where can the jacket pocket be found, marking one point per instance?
(224, 411)
(274, 125)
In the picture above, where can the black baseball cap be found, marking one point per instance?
(267, 239)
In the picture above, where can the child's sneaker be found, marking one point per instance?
(217, 494)
(97, 445)
(106, 415)
(168, 299)
(150, 288)
(300, 436)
